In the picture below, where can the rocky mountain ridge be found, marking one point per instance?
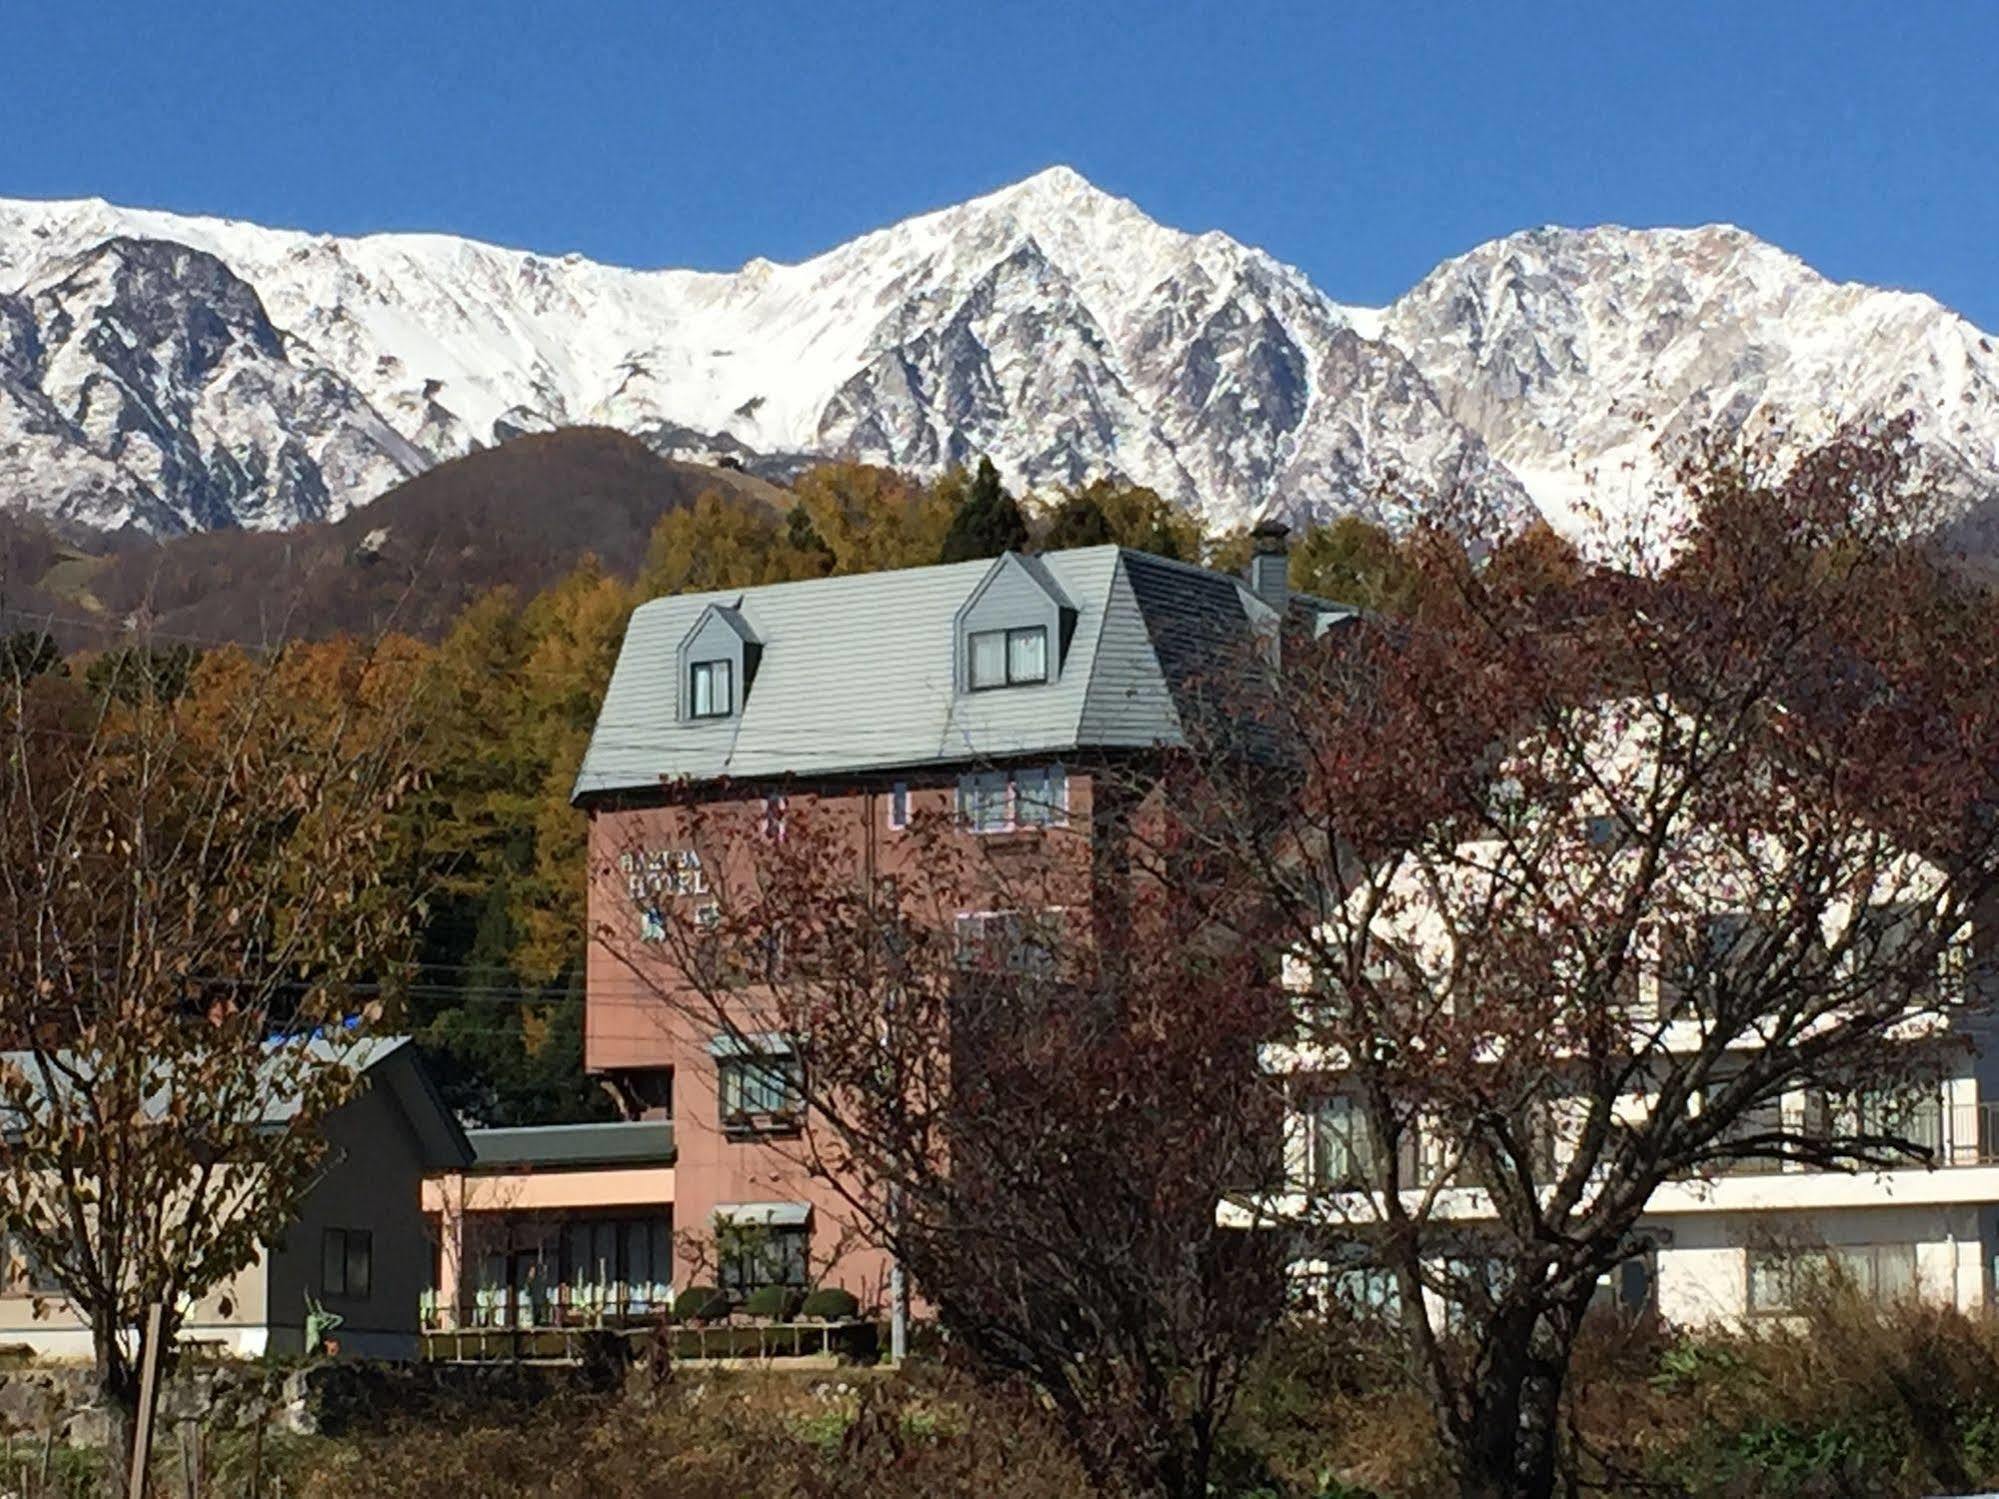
(173, 373)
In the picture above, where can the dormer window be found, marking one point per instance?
(711, 689)
(1008, 658)
(1014, 629)
(718, 664)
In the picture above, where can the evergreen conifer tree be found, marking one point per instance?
(987, 523)
(1079, 521)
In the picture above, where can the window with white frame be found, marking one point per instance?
(1018, 942)
(759, 1089)
(1007, 658)
(711, 689)
(999, 801)
(1040, 797)
(1780, 1278)
(898, 805)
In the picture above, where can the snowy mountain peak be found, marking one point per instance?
(1574, 351)
(174, 372)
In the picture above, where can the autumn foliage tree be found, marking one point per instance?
(1038, 1112)
(195, 929)
(1598, 876)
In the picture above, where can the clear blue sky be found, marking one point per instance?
(1361, 142)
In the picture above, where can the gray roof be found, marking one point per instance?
(622, 1143)
(857, 672)
(390, 1062)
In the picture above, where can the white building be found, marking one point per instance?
(1743, 1241)
(1721, 1248)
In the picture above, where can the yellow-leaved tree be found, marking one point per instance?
(195, 932)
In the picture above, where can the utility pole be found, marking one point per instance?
(898, 1314)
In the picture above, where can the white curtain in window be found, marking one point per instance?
(1343, 1144)
(1027, 655)
(982, 802)
(712, 688)
(1041, 796)
(989, 658)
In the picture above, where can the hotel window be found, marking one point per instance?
(347, 1263)
(25, 1270)
(982, 802)
(764, 1255)
(1781, 1278)
(1008, 942)
(1041, 797)
(998, 801)
(620, 1266)
(1341, 1140)
(712, 688)
(898, 805)
(760, 1091)
(775, 808)
(1008, 658)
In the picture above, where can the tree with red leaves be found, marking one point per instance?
(1039, 1112)
(1602, 874)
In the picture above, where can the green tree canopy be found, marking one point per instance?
(139, 673)
(988, 520)
(28, 653)
(1355, 562)
(1129, 514)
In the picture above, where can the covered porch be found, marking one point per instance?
(561, 1227)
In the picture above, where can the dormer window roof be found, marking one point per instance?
(1014, 629)
(717, 664)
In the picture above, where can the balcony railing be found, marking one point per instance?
(1974, 1135)
(1958, 1134)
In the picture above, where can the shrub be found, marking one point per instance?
(830, 1304)
(701, 1304)
(772, 1303)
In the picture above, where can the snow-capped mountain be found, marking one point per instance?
(1573, 351)
(171, 372)
(148, 386)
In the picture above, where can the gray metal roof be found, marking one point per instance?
(620, 1143)
(390, 1061)
(857, 672)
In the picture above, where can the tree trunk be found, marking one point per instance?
(1507, 1441)
(120, 1389)
(119, 1400)
(1511, 1452)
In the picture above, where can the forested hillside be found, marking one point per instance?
(514, 673)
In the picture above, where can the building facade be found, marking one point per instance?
(1751, 1234)
(1014, 696)
(357, 1248)
(553, 1226)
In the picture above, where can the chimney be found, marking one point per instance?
(1270, 563)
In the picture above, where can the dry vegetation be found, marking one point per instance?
(1849, 1401)
(720, 1436)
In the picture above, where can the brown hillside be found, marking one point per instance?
(520, 514)
(33, 561)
